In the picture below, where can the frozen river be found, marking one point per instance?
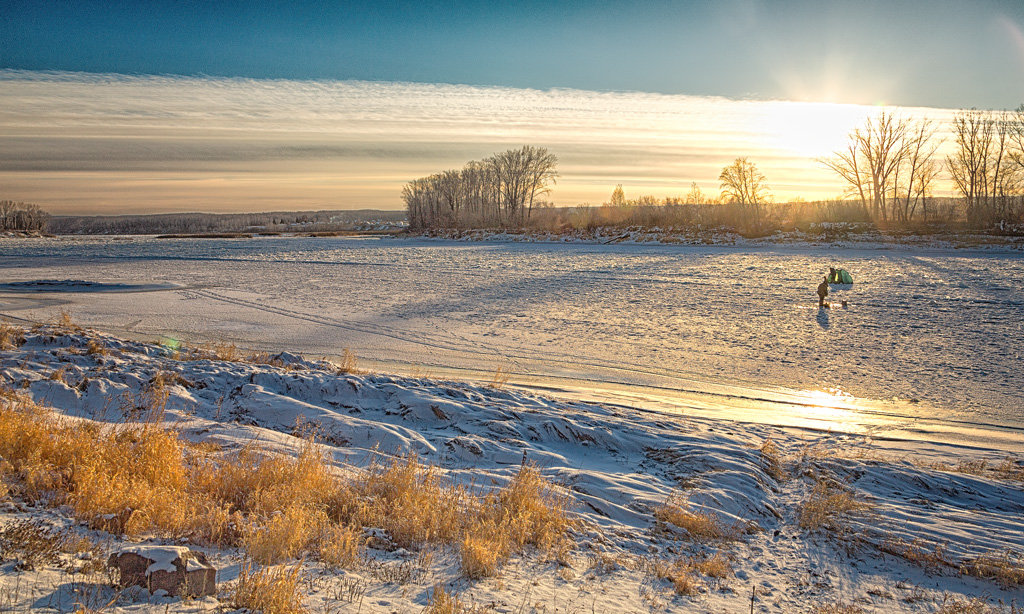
(930, 342)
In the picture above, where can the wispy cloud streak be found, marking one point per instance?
(106, 143)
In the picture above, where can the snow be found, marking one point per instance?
(926, 347)
(163, 557)
(618, 462)
(639, 372)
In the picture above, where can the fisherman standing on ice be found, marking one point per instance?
(822, 292)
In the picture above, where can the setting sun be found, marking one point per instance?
(809, 129)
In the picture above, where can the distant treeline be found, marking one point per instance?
(22, 217)
(203, 223)
(889, 168)
(498, 191)
(678, 215)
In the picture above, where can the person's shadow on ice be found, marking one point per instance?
(823, 317)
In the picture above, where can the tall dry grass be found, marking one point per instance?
(686, 573)
(827, 505)
(271, 590)
(700, 526)
(11, 338)
(143, 478)
(527, 512)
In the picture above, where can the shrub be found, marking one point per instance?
(700, 526)
(443, 603)
(271, 590)
(528, 511)
(11, 338)
(826, 505)
(341, 546)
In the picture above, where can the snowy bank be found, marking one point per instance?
(931, 524)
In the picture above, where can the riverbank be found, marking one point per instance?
(824, 235)
(800, 520)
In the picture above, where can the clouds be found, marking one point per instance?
(106, 143)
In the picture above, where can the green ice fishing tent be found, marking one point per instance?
(840, 276)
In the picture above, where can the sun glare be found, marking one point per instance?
(809, 129)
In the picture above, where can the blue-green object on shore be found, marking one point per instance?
(840, 276)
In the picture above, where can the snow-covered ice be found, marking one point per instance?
(928, 346)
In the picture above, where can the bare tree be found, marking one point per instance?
(984, 166)
(542, 171)
(502, 189)
(695, 196)
(917, 168)
(618, 197)
(24, 217)
(871, 161)
(743, 184)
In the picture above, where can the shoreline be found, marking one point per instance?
(700, 397)
(837, 235)
(619, 465)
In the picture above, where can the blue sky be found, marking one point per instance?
(921, 53)
(116, 107)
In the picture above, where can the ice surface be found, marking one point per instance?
(929, 342)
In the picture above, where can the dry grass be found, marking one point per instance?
(686, 573)
(836, 608)
(827, 505)
(65, 322)
(271, 590)
(700, 526)
(500, 377)
(928, 555)
(95, 347)
(771, 457)
(217, 351)
(683, 578)
(59, 375)
(348, 362)
(145, 479)
(977, 605)
(33, 543)
(1006, 568)
(441, 602)
(407, 499)
(714, 566)
(1012, 468)
(11, 338)
(283, 536)
(341, 546)
(528, 511)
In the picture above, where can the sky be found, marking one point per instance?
(220, 106)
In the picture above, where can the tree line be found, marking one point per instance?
(500, 190)
(890, 166)
(22, 217)
(200, 223)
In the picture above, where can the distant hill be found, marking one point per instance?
(196, 223)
